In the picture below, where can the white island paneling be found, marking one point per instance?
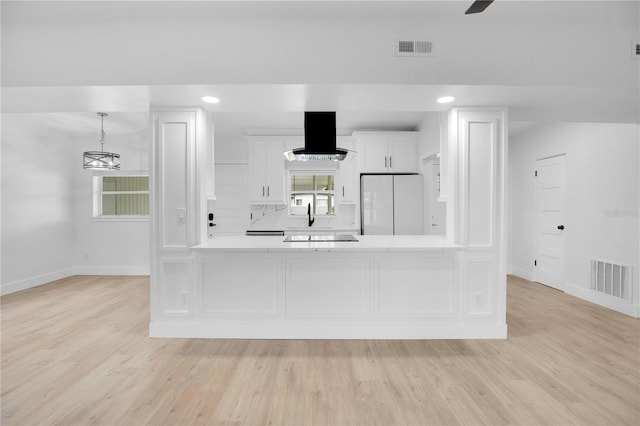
(380, 287)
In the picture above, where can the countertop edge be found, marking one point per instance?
(368, 243)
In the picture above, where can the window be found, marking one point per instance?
(316, 190)
(121, 197)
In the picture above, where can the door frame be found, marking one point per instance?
(536, 253)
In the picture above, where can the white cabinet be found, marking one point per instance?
(346, 179)
(388, 152)
(375, 153)
(403, 153)
(266, 172)
(178, 143)
(173, 174)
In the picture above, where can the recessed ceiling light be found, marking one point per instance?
(210, 99)
(446, 99)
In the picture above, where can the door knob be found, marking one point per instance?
(561, 227)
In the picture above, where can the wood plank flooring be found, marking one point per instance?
(76, 352)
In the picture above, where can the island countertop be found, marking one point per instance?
(364, 243)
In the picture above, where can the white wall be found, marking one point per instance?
(231, 206)
(429, 135)
(231, 148)
(38, 228)
(601, 174)
(124, 43)
(47, 231)
(125, 250)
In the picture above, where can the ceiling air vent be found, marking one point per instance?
(414, 48)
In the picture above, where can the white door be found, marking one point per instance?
(375, 158)
(403, 153)
(274, 174)
(347, 168)
(550, 195)
(408, 207)
(377, 204)
(257, 171)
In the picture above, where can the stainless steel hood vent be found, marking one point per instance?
(319, 139)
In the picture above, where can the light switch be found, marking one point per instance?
(182, 215)
(210, 224)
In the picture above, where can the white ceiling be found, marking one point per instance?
(280, 106)
(112, 10)
(359, 107)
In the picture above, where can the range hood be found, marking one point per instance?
(319, 139)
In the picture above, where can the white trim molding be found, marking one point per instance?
(614, 303)
(522, 273)
(112, 270)
(70, 272)
(35, 281)
(260, 330)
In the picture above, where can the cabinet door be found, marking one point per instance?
(346, 190)
(274, 182)
(257, 171)
(403, 154)
(375, 158)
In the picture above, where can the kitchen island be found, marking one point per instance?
(389, 287)
(380, 287)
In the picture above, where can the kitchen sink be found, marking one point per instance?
(322, 238)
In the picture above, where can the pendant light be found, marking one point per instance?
(100, 160)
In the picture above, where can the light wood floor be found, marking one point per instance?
(76, 351)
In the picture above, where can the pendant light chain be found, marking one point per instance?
(102, 134)
(102, 115)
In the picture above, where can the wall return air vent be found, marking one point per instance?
(614, 279)
(414, 48)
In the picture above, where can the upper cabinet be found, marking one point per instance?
(346, 174)
(266, 171)
(388, 152)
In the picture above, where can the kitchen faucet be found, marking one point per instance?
(309, 214)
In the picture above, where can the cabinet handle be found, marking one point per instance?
(385, 161)
(343, 192)
(263, 190)
(390, 166)
(268, 191)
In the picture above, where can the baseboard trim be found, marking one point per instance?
(35, 281)
(260, 330)
(69, 272)
(605, 300)
(112, 270)
(522, 273)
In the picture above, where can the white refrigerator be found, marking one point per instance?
(391, 205)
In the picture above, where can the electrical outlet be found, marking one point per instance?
(477, 299)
